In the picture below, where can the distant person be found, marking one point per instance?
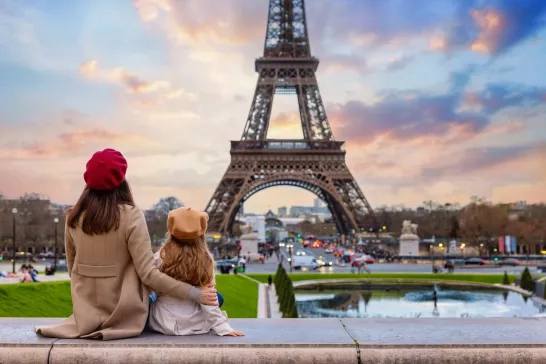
(110, 260)
(24, 274)
(242, 263)
(186, 258)
(33, 273)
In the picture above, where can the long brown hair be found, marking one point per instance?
(100, 209)
(188, 261)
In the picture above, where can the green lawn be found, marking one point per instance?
(481, 278)
(52, 299)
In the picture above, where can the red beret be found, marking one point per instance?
(105, 170)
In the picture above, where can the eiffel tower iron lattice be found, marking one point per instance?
(316, 162)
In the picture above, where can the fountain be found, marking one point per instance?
(407, 301)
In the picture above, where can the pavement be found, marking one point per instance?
(302, 341)
(41, 278)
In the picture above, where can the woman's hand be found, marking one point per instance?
(209, 296)
(235, 333)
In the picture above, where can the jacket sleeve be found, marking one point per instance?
(216, 318)
(217, 321)
(69, 249)
(140, 248)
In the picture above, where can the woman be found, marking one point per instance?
(110, 261)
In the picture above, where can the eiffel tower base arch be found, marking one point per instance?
(324, 174)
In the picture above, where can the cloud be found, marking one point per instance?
(72, 143)
(403, 117)
(481, 160)
(492, 27)
(156, 91)
(414, 115)
(197, 21)
(398, 63)
(495, 97)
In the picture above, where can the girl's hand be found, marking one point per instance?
(235, 333)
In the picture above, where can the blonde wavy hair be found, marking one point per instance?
(188, 261)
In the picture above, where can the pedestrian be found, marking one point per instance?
(242, 263)
(270, 280)
(110, 261)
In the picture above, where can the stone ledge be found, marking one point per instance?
(305, 341)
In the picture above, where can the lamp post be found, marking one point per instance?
(290, 254)
(14, 213)
(56, 221)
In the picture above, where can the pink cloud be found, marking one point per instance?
(70, 143)
(149, 93)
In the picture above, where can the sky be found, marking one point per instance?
(436, 100)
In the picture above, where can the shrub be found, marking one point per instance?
(506, 279)
(527, 282)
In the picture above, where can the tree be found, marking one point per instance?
(506, 279)
(527, 282)
(166, 204)
(482, 222)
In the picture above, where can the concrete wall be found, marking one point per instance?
(302, 341)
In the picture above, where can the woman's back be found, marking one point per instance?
(109, 258)
(106, 288)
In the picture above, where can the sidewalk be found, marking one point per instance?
(41, 278)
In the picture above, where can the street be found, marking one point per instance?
(270, 266)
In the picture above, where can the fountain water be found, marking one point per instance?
(434, 301)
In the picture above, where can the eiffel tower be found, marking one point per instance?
(316, 162)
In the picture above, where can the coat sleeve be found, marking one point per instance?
(216, 318)
(69, 249)
(140, 248)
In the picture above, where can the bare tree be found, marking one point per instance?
(482, 222)
(166, 204)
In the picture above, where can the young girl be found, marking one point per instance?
(185, 257)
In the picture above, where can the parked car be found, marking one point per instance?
(508, 261)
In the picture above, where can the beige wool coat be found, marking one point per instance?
(110, 275)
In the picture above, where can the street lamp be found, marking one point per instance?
(14, 213)
(290, 255)
(56, 221)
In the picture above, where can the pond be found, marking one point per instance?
(430, 301)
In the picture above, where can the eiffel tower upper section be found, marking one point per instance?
(287, 67)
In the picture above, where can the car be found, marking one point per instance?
(304, 261)
(300, 252)
(368, 259)
(225, 265)
(328, 251)
(508, 261)
(475, 261)
(324, 263)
